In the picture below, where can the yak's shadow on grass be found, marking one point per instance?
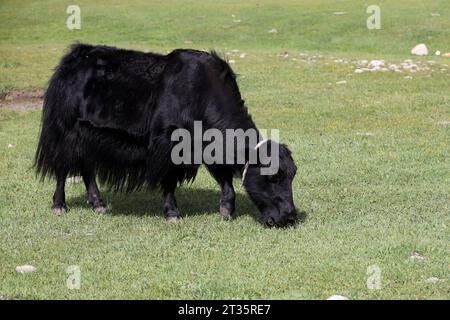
(191, 202)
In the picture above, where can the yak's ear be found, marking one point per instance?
(284, 148)
(286, 161)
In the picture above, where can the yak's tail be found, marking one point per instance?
(56, 148)
(45, 161)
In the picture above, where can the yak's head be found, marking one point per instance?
(271, 189)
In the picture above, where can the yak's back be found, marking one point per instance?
(116, 88)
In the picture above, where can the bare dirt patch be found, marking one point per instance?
(22, 100)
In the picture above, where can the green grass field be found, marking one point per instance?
(373, 154)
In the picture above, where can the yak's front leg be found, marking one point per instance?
(59, 197)
(171, 212)
(94, 198)
(224, 177)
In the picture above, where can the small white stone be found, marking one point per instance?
(284, 54)
(420, 50)
(433, 280)
(376, 63)
(273, 31)
(231, 61)
(25, 269)
(10, 146)
(434, 14)
(416, 256)
(242, 55)
(337, 297)
(438, 53)
(339, 13)
(341, 82)
(237, 21)
(408, 77)
(367, 134)
(359, 71)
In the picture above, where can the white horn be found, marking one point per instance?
(261, 143)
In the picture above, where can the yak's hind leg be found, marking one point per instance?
(94, 198)
(224, 177)
(59, 197)
(171, 212)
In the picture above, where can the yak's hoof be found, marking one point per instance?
(173, 219)
(225, 213)
(59, 210)
(100, 209)
(172, 215)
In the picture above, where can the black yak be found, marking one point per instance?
(110, 113)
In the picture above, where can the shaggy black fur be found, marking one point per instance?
(110, 113)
